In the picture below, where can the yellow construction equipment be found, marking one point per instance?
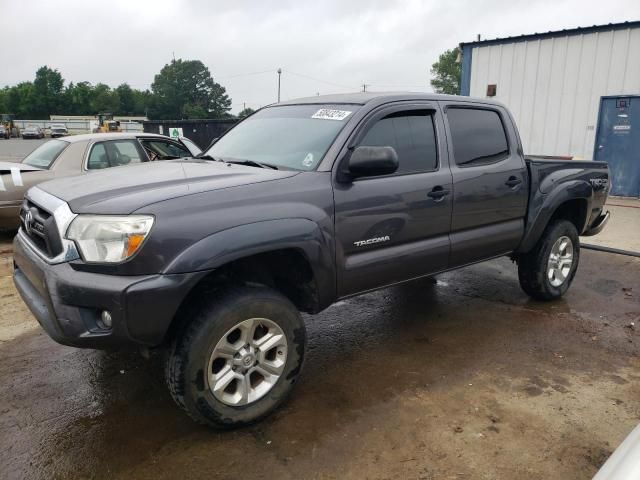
(106, 123)
(11, 129)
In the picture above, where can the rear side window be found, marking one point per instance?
(114, 154)
(411, 134)
(45, 154)
(478, 136)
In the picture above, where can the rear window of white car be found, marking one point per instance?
(45, 154)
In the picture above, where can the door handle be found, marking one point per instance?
(438, 193)
(513, 182)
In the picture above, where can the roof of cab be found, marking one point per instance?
(109, 136)
(362, 98)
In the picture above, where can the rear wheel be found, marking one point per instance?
(239, 357)
(546, 272)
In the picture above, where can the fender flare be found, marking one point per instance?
(250, 239)
(545, 205)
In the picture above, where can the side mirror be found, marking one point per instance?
(372, 161)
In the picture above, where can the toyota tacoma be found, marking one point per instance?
(301, 204)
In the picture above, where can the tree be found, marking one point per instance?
(104, 99)
(20, 100)
(48, 88)
(4, 93)
(185, 89)
(246, 112)
(77, 99)
(446, 72)
(127, 100)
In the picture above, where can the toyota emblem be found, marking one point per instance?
(28, 221)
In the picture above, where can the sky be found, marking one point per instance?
(321, 46)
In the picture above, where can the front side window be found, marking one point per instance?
(478, 136)
(114, 154)
(292, 137)
(45, 154)
(411, 134)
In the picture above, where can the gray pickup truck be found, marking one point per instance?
(303, 203)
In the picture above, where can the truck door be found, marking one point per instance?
(618, 143)
(490, 182)
(395, 227)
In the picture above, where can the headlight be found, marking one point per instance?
(109, 238)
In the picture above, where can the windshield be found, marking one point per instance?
(45, 154)
(291, 137)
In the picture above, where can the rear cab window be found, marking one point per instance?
(478, 136)
(45, 154)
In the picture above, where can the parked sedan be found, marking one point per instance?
(81, 154)
(32, 132)
(58, 130)
(4, 132)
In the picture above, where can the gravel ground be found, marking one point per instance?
(461, 378)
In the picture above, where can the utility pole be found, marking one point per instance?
(279, 74)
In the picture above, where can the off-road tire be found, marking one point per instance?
(533, 265)
(206, 322)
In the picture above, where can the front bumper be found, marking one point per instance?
(597, 225)
(68, 303)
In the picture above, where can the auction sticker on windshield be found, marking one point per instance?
(329, 114)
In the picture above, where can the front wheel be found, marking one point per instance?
(238, 358)
(546, 272)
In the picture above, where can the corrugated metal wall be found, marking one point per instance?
(553, 85)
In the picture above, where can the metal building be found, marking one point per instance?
(573, 92)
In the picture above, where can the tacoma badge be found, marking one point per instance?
(371, 241)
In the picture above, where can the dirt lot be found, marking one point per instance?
(465, 378)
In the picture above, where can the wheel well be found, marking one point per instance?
(288, 271)
(574, 211)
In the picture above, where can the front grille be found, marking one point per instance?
(40, 226)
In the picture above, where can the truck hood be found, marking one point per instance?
(123, 190)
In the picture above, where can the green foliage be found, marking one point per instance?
(47, 92)
(182, 89)
(246, 112)
(446, 73)
(185, 89)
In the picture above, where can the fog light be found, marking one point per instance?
(105, 318)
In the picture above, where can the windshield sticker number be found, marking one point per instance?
(329, 114)
(308, 160)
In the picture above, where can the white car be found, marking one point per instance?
(624, 463)
(58, 130)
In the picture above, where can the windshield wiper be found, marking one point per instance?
(253, 163)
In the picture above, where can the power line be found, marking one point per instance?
(350, 87)
(245, 74)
